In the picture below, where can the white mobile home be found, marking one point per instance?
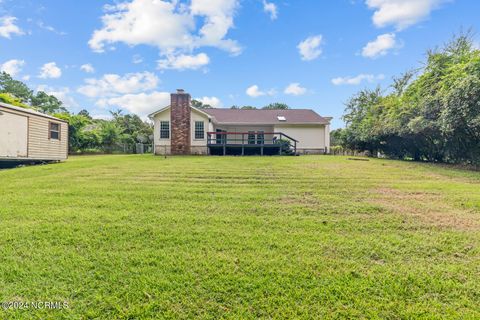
(28, 135)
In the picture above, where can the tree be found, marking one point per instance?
(200, 105)
(85, 113)
(434, 117)
(276, 106)
(109, 135)
(8, 98)
(15, 88)
(47, 103)
(243, 107)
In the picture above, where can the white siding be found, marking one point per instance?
(246, 129)
(197, 116)
(39, 145)
(163, 116)
(13, 135)
(310, 137)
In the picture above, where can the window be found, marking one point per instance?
(54, 131)
(164, 130)
(251, 137)
(199, 130)
(260, 137)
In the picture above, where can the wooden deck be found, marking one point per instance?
(250, 143)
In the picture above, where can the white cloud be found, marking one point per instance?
(113, 84)
(12, 67)
(8, 27)
(380, 46)
(295, 89)
(88, 68)
(63, 94)
(254, 92)
(136, 59)
(141, 104)
(212, 101)
(310, 48)
(271, 9)
(26, 77)
(43, 26)
(171, 26)
(183, 62)
(401, 13)
(357, 79)
(50, 70)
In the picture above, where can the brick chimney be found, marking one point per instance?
(180, 122)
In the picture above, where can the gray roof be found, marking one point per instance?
(242, 116)
(30, 111)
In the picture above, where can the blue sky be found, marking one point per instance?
(105, 55)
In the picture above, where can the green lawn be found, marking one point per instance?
(140, 237)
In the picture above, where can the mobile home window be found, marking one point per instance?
(199, 130)
(164, 130)
(54, 131)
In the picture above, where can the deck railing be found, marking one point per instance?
(251, 139)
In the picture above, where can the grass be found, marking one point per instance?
(141, 237)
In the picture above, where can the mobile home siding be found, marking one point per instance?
(39, 145)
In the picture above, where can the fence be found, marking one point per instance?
(121, 148)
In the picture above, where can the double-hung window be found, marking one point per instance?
(199, 130)
(54, 131)
(164, 129)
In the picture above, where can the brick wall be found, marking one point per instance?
(180, 122)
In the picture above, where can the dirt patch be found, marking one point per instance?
(427, 207)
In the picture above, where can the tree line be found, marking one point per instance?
(86, 134)
(430, 114)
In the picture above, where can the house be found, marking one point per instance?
(181, 128)
(27, 135)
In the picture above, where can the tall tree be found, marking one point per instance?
(14, 87)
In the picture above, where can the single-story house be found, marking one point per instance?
(181, 128)
(27, 135)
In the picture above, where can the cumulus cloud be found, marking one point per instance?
(141, 104)
(271, 9)
(170, 26)
(8, 27)
(295, 89)
(212, 101)
(357, 79)
(50, 70)
(401, 13)
(88, 68)
(254, 92)
(310, 48)
(380, 46)
(113, 84)
(12, 67)
(183, 61)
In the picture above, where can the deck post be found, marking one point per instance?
(224, 144)
(243, 144)
(261, 150)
